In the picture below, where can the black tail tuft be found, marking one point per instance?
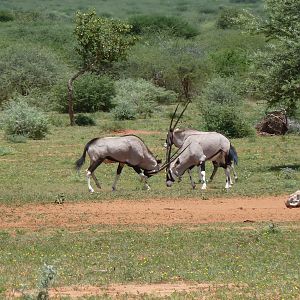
(81, 160)
(233, 154)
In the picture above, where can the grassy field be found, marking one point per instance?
(262, 261)
(40, 170)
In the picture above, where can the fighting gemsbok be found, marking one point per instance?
(126, 150)
(213, 145)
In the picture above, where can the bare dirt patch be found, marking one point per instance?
(150, 212)
(115, 290)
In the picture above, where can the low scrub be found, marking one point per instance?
(222, 109)
(6, 16)
(24, 69)
(84, 120)
(227, 18)
(156, 23)
(139, 98)
(20, 119)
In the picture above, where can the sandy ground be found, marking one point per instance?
(150, 212)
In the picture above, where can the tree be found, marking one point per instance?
(100, 41)
(277, 70)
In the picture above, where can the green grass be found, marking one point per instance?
(37, 171)
(263, 261)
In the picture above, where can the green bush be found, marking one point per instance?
(221, 91)
(91, 93)
(20, 119)
(229, 62)
(222, 109)
(227, 18)
(142, 96)
(156, 23)
(84, 120)
(124, 111)
(6, 16)
(226, 119)
(23, 68)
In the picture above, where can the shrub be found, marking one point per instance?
(19, 119)
(24, 68)
(226, 119)
(156, 23)
(229, 62)
(84, 120)
(222, 109)
(91, 93)
(124, 111)
(227, 18)
(221, 91)
(6, 16)
(141, 96)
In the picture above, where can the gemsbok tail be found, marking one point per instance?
(233, 154)
(79, 163)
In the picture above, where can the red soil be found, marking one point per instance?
(150, 212)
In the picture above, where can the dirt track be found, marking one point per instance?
(150, 212)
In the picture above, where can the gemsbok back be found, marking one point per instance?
(126, 150)
(215, 147)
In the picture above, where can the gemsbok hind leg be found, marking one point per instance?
(214, 171)
(202, 178)
(234, 172)
(228, 178)
(119, 170)
(193, 184)
(90, 172)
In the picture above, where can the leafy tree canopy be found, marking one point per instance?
(100, 39)
(276, 77)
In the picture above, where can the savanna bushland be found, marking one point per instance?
(110, 66)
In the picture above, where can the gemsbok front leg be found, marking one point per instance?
(143, 178)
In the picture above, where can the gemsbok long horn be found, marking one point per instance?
(171, 127)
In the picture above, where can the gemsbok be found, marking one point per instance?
(126, 150)
(215, 146)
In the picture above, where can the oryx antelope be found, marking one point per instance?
(196, 153)
(126, 150)
(210, 144)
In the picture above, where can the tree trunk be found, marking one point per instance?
(71, 97)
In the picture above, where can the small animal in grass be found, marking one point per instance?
(60, 198)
